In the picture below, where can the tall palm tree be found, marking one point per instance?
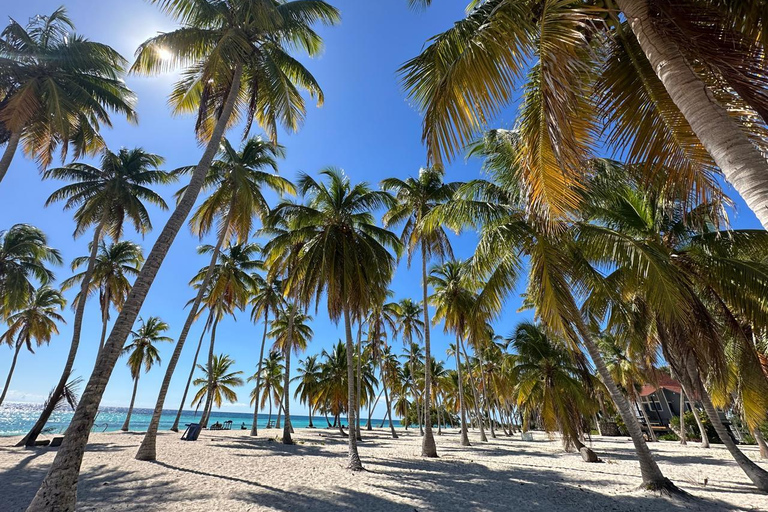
(142, 352)
(34, 321)
(416, 197)
(223, 381)
(633, 72)
(551, 382)
(229, 50)
(334, 385)
(24, 253)
(291, 331)
(309, 383)
(236, 180)
(266, 298)
(410, 325)
(454, 300)
(115, 263)
(343, 256)
(61, 88)
(104, 198)
(381, 318)
(271, 379)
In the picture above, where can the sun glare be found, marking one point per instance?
(164, 54)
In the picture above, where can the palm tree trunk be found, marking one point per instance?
(758, 435)
(358, 380)
(311, 425)
(354, 458)
(696, 416)
(58, 491)
(10, 150)
(287, 383)
(175, 426)
(758, 475)
(479, 418)
(279, 411)
(58, 391)
(484, 383)
(462, 410)
(653, 478)
(683, 439)
(10, 371)
(254, 428)
(209, 399)
(269, 419)
(742, 164)
(428, 447)
(127, 423)
(389, 408)
(104, 323)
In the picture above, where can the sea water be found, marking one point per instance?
(17, 418)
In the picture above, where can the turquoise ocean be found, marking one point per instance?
(17, 418)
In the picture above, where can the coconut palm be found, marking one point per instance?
(454, 301)
(24, 253)
(381, 318)
(266, 298)
(634, 72)
(292, 333)
(309, 383)
(231, 51)
(104, 198)
(271, 379)
(551, 382)
(34, 321)
(410, 325)
(115, 263)
(334, 385)
(343, 256)
(223, 381)
(416, 197)
(60, 88)
(236, 180)
(142, 352)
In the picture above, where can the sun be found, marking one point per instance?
(164, 54)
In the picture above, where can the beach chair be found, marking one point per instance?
(227, 425)
(56, 441)
(216, 426)
(192, 432)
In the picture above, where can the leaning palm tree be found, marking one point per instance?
(410, 326)
(343, 255)
(266, 298)
(292, 334)
(230, 51)
(104, 198)
(223, 381)
(34, 321)
(142, 352)
(61, 89)
(24, 253)
(416, 197)
(630, 69)
(309, 382)
(236, 180)
(115, 263)
(271, 379)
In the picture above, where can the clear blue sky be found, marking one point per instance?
(365, 127)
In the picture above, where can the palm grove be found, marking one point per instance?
(628, 264)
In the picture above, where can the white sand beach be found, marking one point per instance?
(230, 471)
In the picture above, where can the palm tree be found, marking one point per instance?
(416, 197)
(114, 264)
(236, 180)
(343, 255)
(309, 384)
(266, 297)
(223, 382)
(61, 89)
(24, 252)
(271, 378)
(454, 300)
(410, 325)
(230, 50)
(334, 383)
(143, 352)
(292, 333)
(34, 321)
(104, 198)
(382, 317)
(551, 382)
(632, 72)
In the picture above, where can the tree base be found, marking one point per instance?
(664, 487)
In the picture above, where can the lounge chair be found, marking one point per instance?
(192, 432)
(56, 441)
(227, 425)
(216, 426)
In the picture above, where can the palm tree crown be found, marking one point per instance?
(142, 350)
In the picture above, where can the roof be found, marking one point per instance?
(663, 382)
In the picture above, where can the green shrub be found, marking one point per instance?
(668, 437)
(692, 430)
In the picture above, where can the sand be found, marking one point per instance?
(229, 471)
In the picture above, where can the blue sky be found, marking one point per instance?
(365, 127)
